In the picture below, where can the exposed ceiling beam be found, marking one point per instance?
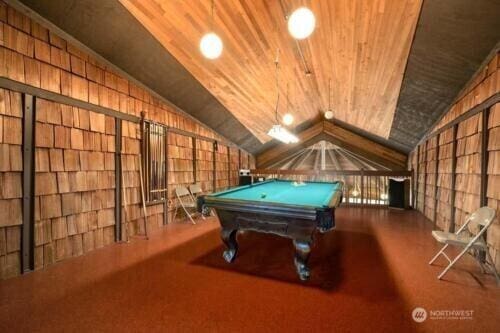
(331, 153)
(373, 165)
(352, 160)
(301, 159)
(341, 137)
(285, 165)
(317, 159)
(335, 162)
(307, 138)
(288, 159)
(364, 146)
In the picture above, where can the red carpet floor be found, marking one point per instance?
(368, 275)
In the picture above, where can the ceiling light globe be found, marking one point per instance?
(328, 114)
(301, 23)
(287, 119)
(211, 46)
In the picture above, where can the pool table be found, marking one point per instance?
(285, 208)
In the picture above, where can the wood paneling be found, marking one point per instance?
(468, 163)
(11, 167)
(361, 46)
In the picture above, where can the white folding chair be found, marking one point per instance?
(472, 240)
(185, 200)
(195, 191)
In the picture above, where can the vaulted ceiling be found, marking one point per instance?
(362, 46)
(395, 65)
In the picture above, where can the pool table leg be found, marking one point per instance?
(229, 238)
(302, 252)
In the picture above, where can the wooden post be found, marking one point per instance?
(215, 147)
(167, 194)
(346, 190)
(451, 227)
(416, 178)
(27, 237)
(118, 178)
(484, 159)
(370, 190)
(194, 158)
(144, 146)
(362, 186)
(436, 170)
(239, 160)
(425, 175)
(228, 166)
(412, 182)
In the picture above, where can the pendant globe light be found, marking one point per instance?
(301, 23)
(210, 44)
(287, 119)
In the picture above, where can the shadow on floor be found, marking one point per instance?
(341, 261)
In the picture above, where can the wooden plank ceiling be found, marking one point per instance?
(362, 46)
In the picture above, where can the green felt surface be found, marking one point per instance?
(284, 192)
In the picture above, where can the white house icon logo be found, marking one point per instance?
(419, 315)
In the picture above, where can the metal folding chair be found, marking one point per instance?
(185, 200)
(472, 240)
(195, 191)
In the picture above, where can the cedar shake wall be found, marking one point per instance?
(11, 167)
(75, 148)
(443, 214)
(74, 182)
(430, 180)
(222, 167)
(205, 164)
(244, 160)
(180, 164)
(468, 156)
(234, 166)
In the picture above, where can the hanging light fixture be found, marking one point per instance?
(210, 44)
(301, 23)
(329, 112)
(287, 118)
(279, 132)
